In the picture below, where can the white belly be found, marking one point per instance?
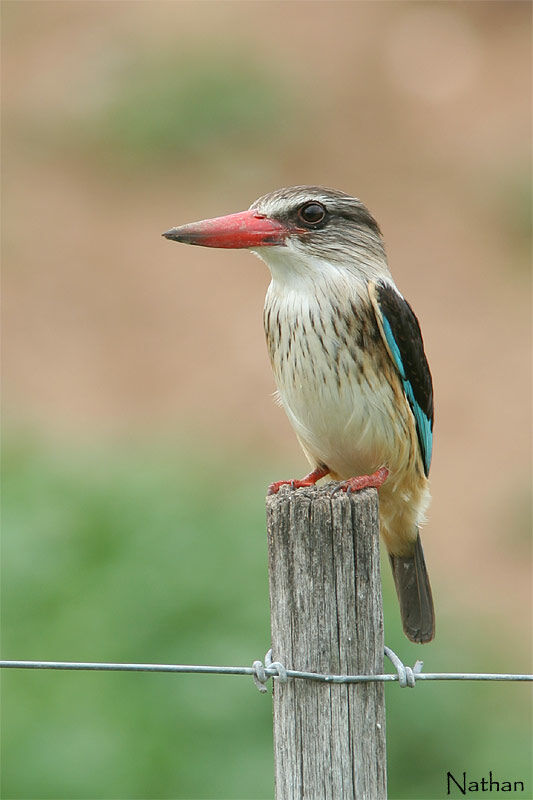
(348, 427)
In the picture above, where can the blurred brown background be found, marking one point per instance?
(122, 119)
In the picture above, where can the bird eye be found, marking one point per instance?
(312, 213)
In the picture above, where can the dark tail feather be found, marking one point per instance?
(414, 593)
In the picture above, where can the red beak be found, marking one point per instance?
(245, 229)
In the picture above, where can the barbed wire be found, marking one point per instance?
(262, 672)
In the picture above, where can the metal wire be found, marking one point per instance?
(261, 673)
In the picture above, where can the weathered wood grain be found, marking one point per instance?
(326, 616)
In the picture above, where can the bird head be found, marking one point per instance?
(303, 231)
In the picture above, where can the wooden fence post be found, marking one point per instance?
(326, 616)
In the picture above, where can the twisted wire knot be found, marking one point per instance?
(261, 676)
(406, 675)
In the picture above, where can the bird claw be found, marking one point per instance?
(307, 480)
(275, 487)
(359, 482)
(294, 484)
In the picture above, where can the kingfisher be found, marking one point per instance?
(348, 359)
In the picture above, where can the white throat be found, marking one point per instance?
(294, 268)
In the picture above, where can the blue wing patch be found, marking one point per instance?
(404, 341)
(424, 427)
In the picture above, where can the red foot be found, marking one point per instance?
(373, 481)
(308, 480)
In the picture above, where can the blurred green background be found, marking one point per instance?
(139, 434)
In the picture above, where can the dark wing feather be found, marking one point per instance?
(404, 341)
